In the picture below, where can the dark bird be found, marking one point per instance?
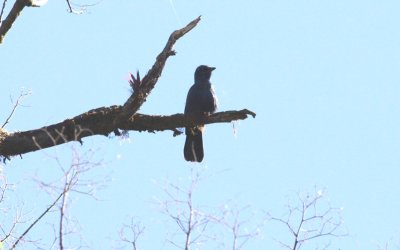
(200, 100)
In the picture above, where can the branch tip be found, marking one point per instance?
(145, 86)
(249, 112)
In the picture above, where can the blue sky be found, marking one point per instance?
(322, 77)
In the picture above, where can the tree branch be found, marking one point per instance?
(37, 220)
(16, 104)
(101, 121)
(142, 88)
(104, 120)
(17, 8)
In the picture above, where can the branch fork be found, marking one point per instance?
(105, 120)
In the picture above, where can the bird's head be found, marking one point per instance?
(203, 74)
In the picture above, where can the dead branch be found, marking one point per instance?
(71, 10)
(142, 88)
(101, 122)
(17, 103)
(18, 6)
(104, 120)
(16, 10)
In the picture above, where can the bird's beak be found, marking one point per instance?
(212, 68)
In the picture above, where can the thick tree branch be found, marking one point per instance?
(18, 6)
(101, 121)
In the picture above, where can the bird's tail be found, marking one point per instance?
(193, 150)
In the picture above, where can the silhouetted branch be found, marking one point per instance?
(2, 10)
(71, 10)
(17, 103)
(103, 121)
(16, 10)
(79, 8)
(142, 88)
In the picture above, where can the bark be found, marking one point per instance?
(15, 11)
(101, 121)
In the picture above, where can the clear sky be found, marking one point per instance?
(322, 76)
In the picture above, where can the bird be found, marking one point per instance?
(201, 100)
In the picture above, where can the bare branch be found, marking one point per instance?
(130, 233)
(17, 103)
(311, 218)
(71, 181)
(179, 206)
(37, 220)
(72, 10)
(238, 221)
(391, 244)
(62, 214)
(102, 122)
(144, 87)
(16, 10)
(79, 8)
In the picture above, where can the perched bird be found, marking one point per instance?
(200, 100)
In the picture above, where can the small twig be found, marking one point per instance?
(234, 219)
(136, 231)
(69, 6)
(315, 220)
(17, 103)
(191, 222)
(62, 213)
(72, 10)
(82, 7)
(5, 187)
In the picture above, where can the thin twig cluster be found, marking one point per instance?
(309, 218)
(72, 180)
